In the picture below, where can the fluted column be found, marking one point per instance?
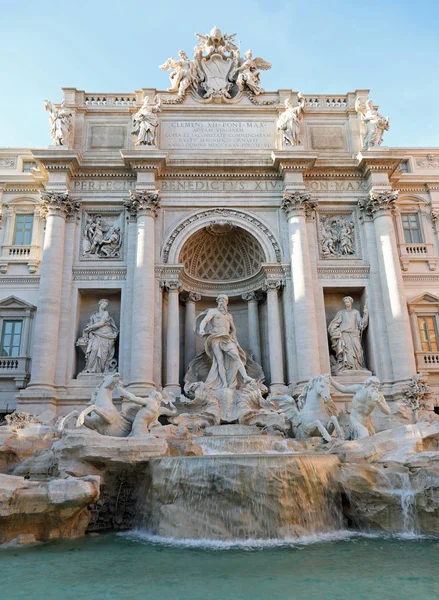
(67, 326)
(274, 334)
(143, 207)
(173, 337)
(189, 299)
(47, 322)
(299, 207)
(254, 338)
(381, 206)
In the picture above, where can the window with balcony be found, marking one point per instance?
(23, 230)
(412, 228)
(11, 338)
(428, 333)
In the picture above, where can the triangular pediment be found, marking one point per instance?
(15, 303)
(426, 298)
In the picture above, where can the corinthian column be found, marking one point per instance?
(143, 207)
(299, 207)
(254, 338)
(274, 335)
(189, 299)
(45, 348)
(173, 337)
(381, 206)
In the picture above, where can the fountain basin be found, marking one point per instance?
(241, 496)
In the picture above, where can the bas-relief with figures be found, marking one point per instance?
(215, 278)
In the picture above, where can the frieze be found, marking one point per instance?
(429, 162)
(20, 280)
(215, 185)
(106, 274)
(343, 273)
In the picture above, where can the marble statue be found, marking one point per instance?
(364, 402)
(247, 74)
(374, 122)
(101, 239)
(289, 121)
(184, 73)
(337, 237)
(98, 341)
(416, 394)
(146, 418)
(315, 414)
(145, 122)
(101, 414)
(345, 331)
(221, 345)
(60, 123)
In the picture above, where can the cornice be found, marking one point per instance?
(99, 273)
(299, 161)
(144, 160)
(58, 159)
(379, 160)
(343, 272)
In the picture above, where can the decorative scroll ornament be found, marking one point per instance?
(217, 71)
(295, 203)
(55, 203)
(375, 124)
(378, 202)
(146, 202)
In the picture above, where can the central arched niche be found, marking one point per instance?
(221, 258)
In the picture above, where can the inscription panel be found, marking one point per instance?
(327, 138)
(107, 136)
(222, 135)
(219, 185)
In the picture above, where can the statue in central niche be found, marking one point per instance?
(221, 345)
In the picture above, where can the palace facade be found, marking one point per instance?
(215, 192)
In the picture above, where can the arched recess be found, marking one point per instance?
(199, 220)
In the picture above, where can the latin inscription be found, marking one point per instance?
(356, 185)
(102, 185)
(215, 185)
(202, 135)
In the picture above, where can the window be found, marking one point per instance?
(412, 230)
(427, 329)
(11, 338)
(28, 165)
(23, 230)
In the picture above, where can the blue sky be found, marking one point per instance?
(390, 47)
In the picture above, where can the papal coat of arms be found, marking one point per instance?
(217, 70)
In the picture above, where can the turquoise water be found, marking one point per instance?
(114, 567)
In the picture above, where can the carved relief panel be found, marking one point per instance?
(337, 235)
(102, 235)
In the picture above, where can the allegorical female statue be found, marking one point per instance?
(60, 123)
(289, 121)
(98, 341)
(145, 122)
(374, 122)
(345, 331)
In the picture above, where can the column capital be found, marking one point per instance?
(298, 203)
(171, 285)
(146, 203)
(273, 285)
(190, 297)
(59, 203)
(378, 203)
(253, 296)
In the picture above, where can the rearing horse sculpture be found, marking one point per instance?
(315, 413)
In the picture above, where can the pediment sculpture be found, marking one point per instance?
(217, 71)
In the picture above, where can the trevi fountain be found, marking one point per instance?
(219, 359)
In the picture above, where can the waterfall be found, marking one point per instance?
(408, 505)
(241, 497)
